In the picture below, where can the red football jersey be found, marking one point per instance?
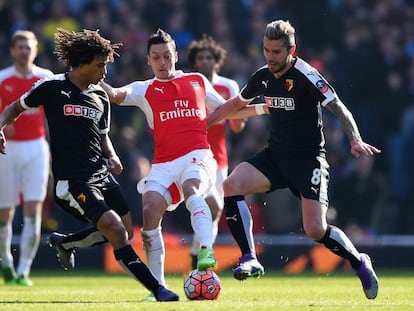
(176, 112)
(30, 124)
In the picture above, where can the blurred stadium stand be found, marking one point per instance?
(365, 48)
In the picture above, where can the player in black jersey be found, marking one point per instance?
(295, 94)
(83, 158)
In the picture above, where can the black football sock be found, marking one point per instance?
(84, 238)
(132, 264)
(240, 222)
(338, 243)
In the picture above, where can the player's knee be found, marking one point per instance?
(115, 232)
(314, 231)
(151, 215)
(230, 187)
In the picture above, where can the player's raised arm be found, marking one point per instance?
(8, 116)
(350, 128)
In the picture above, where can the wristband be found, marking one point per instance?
(260, 109)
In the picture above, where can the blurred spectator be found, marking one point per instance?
(359, 198)
(405, 208)
(280, 202)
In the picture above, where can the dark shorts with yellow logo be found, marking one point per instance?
(305, 173)
(88, 201)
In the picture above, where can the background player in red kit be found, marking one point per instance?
(295, 93)
(25, 169)
(207, 56)
(83, 157)
(183, 168)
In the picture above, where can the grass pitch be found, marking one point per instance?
(80, 291)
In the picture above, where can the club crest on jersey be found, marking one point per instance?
(81, 198)
(322, 86)
(195, 84)
(289, 84)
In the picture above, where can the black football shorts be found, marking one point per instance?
(87, 201)
(305, 173)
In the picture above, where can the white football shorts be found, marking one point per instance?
(167, 178)
(24, 172)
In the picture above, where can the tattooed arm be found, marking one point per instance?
(350, 128)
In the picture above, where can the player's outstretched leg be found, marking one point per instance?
(131, 263)
(65, 256)
(368, 278)
(248, 266)
(337, 242)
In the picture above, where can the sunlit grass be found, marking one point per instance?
(79, 290)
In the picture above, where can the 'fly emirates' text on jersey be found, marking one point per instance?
(216, 134)
(31, 123)
(294, 102)
(176, 112)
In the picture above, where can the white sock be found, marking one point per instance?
(201, 220)
(6, 233)
(29, 244)
(154, 248)
(195, 246)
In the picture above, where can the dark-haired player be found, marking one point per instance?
(295, 94)
(183, 168)
(83, 158)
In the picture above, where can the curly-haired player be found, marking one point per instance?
(183, 168)
(78, 114)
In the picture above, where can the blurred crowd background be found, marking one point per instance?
(365, 48)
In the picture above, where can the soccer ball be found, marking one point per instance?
(202, 285)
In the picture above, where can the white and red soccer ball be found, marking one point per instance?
(202, 285)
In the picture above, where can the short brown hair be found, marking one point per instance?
(23, 35)
(281, 30)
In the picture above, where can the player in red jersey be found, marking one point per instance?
(294, 158)
(25, 169)
(207, 56)
(183, 169)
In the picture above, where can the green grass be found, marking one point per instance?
(80, 291)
